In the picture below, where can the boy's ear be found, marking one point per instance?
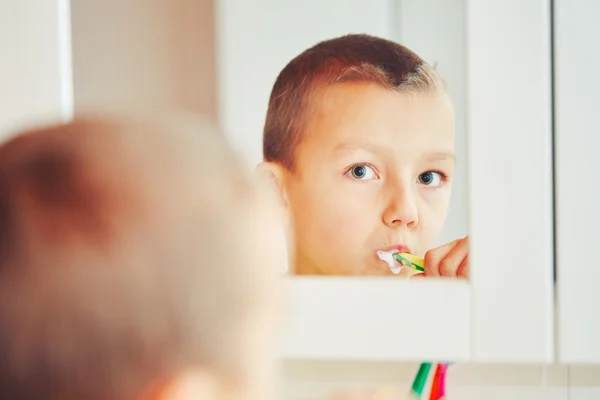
(272, 177)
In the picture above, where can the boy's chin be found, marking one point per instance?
(379, 268)
(341, 268)
(403, 273)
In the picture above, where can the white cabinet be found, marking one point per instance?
(498, 65)
(577, 133)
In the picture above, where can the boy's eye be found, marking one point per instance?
(431, 178)
(362, 172)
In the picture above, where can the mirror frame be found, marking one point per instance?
(506, 312)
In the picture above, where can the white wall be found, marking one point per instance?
(34, 83)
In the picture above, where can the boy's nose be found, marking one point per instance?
(401, 210)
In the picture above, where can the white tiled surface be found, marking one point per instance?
(303, 380)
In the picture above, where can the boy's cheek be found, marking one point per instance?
(431, 229)
(330, 219)
(344, 230)
(434, 207)
(332, 224)
(438, 199)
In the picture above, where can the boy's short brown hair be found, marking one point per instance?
(112, 272)
(347, 58)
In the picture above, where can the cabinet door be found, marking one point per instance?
(576, 60)
(510, 180)
(35, 75)
(500, 81)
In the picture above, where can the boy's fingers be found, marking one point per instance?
(417, 275)
(450, 264)
(434, 257)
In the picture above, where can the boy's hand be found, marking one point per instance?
(449, 260)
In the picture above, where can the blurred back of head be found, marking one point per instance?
(131, 254)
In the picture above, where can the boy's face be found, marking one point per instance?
(373, 172)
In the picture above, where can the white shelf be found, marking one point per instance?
(377, 319)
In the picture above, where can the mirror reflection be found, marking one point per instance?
(359, 146)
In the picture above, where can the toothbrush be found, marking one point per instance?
(393, 258)
(438, 386)
(420, 379)
(408, 260)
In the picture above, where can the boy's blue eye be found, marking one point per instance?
(431, 178)
(362, 172)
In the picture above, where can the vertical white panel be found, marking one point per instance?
(256, 39)
(577, 138)
(65, 59)
(510, 179)
(34, 72)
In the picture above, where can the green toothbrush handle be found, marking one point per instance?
(420, 380)
(406, 262)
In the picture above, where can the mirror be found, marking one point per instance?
(367, 156)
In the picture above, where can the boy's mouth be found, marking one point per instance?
(385, 255)
(399, 248)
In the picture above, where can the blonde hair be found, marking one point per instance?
(112, 237)
(346, 58)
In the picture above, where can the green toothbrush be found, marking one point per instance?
(420, 379)
(408, 260)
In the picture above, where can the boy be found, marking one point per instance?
(359, 141)
(136, 262)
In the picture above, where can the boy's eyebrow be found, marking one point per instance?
(440, 156)
(345, 148)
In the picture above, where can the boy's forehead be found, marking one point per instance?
(432, 153)
(352, 115)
